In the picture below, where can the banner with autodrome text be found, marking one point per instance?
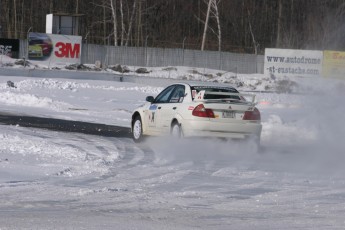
(54, 49)
(291, 62)
(333, 64)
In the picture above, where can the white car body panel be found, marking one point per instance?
(157, 118)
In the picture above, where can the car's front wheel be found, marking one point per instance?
(137, 129)
(176, 130)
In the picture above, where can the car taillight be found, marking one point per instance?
(201, 111)
(252, 115)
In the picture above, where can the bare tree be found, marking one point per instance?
(15, 17)
(122, 24)
(104, 23)
(212, 11)
(113, 14)
(131, 22)
(270, 23)
(139, 25)
(279, 23)
(206, 25)
(22, 19)
(216, 15)
(255, 44)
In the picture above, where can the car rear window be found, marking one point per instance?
(216, 89)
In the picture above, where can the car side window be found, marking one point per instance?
(164, 96)
(178, 94)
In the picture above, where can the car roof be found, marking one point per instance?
(207, 84)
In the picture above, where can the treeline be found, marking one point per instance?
(247, 26)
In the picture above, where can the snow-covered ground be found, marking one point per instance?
(56, 180)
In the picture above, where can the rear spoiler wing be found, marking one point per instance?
(242, 96)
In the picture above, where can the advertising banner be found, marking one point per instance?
(289, 62)
(333, 64)
(53, 49)
(9, 47)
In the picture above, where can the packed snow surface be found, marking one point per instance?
(57, 180)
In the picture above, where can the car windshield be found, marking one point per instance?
(218, 90)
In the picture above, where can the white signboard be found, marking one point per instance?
(288, 62)
(49, 23)
(52, 49)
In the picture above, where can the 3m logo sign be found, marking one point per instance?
(67, 50)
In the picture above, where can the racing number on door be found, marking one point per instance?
(152, 112)
(66, 50)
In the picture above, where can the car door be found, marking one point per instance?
(167, 110)
(153, 116)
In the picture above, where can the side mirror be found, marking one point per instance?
(150, 99)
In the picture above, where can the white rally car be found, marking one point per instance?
(198, 110)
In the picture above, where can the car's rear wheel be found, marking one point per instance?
(137, 129)
(176, 130)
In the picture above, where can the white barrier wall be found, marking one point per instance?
(54, 50)
(289, 62)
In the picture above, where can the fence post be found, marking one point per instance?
(184, 39)
(146, 59)
(220, 60)
(26, 57)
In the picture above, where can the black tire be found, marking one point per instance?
(137, 130)
(176, 130)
